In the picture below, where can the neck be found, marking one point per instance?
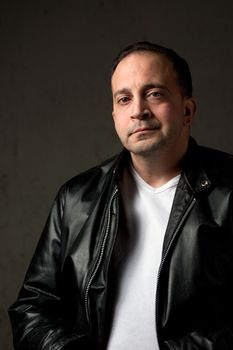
(156, 169)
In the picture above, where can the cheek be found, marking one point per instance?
(162, 111)
(121, 129)
(119, 125)
(172, 115)
(120, 122)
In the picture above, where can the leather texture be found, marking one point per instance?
(68, 293)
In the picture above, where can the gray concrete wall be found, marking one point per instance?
(55, 103)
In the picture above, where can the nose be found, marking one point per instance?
(140, 110)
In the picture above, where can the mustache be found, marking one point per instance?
(140, 126)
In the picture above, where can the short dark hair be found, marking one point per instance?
(180, 65)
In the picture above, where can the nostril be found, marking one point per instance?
(146, 113)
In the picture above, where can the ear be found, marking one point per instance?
(189, 110)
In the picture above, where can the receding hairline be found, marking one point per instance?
(143, 52)
(180, 65)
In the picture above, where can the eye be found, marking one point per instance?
(154, 94)
(123, 100)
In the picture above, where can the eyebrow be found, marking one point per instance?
(121, 91)
(145, 87)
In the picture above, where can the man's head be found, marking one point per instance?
(153, 106)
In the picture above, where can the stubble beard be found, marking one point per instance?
(146, 147)
(142, 143)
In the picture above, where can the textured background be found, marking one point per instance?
(55, 103)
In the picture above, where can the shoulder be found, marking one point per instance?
(217, 164)
(213, 157)
(90, 182)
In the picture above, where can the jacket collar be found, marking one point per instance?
(193, 168)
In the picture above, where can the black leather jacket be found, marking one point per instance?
(68, 292)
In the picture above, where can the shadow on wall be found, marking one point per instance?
(5, 330)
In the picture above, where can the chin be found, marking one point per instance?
(148, 146)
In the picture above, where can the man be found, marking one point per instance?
(137, 253)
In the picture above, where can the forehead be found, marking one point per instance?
(144, 65)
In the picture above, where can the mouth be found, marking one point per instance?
(144, 130)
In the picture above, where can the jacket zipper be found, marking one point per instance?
(163, 261)
(101, 254)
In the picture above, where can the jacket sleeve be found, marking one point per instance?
(37, 317)
(219, 340)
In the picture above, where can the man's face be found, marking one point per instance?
(149, 111)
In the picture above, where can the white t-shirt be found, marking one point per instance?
(147, 211)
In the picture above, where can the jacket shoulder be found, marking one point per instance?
(90, 181)
(213, 155)
(218, 164)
